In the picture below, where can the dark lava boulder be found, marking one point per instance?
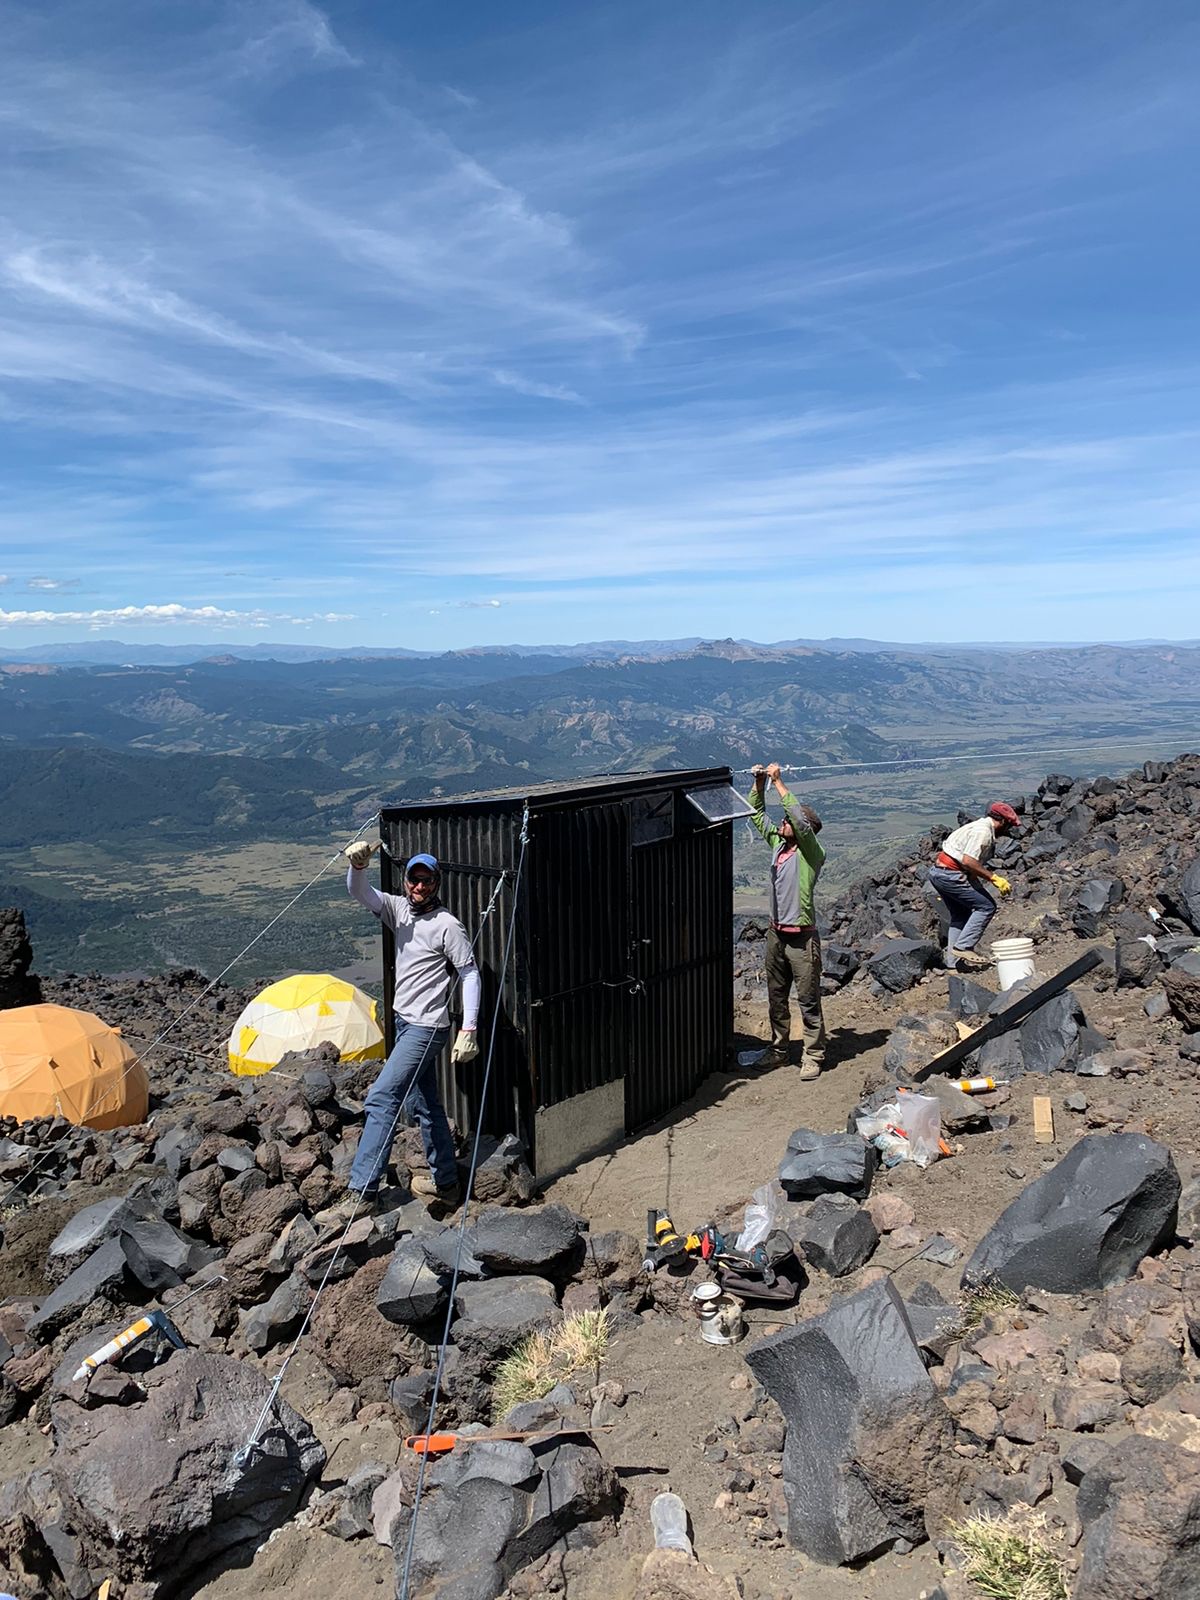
(1086, 1223)
(868, 1457)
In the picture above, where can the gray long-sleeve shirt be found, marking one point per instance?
(430, 947)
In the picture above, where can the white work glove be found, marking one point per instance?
(466, 1047)
(359, 853)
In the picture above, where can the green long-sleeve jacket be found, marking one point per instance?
(794, 877)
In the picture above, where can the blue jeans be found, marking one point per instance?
(970, 909)
(410, 1070)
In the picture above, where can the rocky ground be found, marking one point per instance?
(1063, 1379)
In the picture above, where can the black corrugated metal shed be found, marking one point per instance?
(619, 995)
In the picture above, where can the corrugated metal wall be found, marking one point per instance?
(622, 961)
(683, 930)
(578, 911)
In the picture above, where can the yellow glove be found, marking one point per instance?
(466, 1047)
(359, 853)
(1001, 885)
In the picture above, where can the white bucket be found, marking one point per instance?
(720, 1314)
(1014, 960)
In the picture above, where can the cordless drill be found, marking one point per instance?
(664, 1245)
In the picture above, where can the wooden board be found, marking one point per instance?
(1043, 1120)
(995, 1026)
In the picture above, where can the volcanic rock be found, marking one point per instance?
(502, 1176)
(168, 1474)
(915, 1041)
(836, 1236)
(277, 1318)
(1138, 963)
(1183, 994)
(19, 985)
(411, 1291)
(1140, 1511)
(1149, 1369)
(495, 1315)
(538, 1239)
(101, 1277)
(822, 1163)
(475, 1530)
(868, 1438)
(899, 963)
(1087, 1222)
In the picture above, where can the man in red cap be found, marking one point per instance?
(958, 874)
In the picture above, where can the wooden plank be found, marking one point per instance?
(1000, 1024)
(1043, 1120)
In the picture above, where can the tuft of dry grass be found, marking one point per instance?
(1007, 1558)
(985, 1300)
(545, 1359)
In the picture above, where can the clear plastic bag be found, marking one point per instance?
(908, 1129)
(766, 1212)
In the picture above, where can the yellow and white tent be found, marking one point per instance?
(300, 1013)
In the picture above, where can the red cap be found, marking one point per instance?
(1003, 813)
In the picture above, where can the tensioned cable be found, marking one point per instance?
(252, 1438)
(462, 1227)
(208, 988)
(832, 769)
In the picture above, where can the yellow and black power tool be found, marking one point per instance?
(664, 1245)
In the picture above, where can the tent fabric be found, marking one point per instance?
(299, 1013)
(55, 1061)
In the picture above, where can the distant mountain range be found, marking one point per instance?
(469, 720)
(149, 812)
(404, 727)
(116, 652)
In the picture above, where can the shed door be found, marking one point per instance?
(682, 1017)
(579, 954)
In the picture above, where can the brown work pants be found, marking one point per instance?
(795, 958)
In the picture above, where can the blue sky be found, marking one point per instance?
(433, 325)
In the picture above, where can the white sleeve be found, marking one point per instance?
(457, 949)
(364, 891)
(472, 988)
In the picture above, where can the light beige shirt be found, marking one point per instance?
(976, 839)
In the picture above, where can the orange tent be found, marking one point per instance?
(58, 1062)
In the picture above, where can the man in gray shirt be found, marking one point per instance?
(431, 946)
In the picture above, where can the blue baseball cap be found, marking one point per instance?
(422, 861)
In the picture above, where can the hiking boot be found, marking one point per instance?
(810, 1069)
(449, 1195)
(971, 960)
(770, 1057)
(352, 1205)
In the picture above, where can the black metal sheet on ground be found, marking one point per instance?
(1013, 1016)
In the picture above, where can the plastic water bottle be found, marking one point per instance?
(669, 1518)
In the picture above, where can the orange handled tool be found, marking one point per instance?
(440, 1444)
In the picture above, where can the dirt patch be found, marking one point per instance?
(728, 1140)
(298, 1561)
(28, 1232)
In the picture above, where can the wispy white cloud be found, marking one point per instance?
(538, 391)
(172, 615)
(655, 306)
(281, 29)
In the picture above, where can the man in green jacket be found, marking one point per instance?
(793, 943)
